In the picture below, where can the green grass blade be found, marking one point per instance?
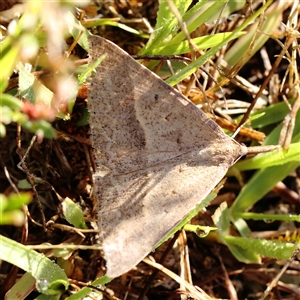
(266, 217)
(194, 23)
(272, 18)
(166, 25)
(203, 42)
(191, 68)
(9, 54)
(265, 179)
(260, 184)
(270, 115)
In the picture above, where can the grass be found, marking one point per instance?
(41, 87)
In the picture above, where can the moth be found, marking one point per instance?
(157, 155)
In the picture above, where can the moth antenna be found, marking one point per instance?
(262, 149)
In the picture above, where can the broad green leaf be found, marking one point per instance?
(76, 29)
(39, 266)
(221, 219)
(47, 297)
(243, 254)
(12, 217)
(14, 201)
(2, 130)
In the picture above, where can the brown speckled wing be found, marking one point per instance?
(157, 155)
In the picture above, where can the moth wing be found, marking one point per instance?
(157, 155)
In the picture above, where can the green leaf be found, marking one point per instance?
(82, 78)
(15, 201)
(47, 297)
(2, 130)
(109, 22)
(11, 208)
(273, 249)
(14, 217)
(32, 89)
(40, 128)
(85, 117)
(40, 267)
(10, 101)
(73, 214)
(221, 219)
(76, 29)
(24, 184)
(243, 254)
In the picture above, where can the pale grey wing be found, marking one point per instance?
(147, 204)
(134, 113)
(157, 155)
